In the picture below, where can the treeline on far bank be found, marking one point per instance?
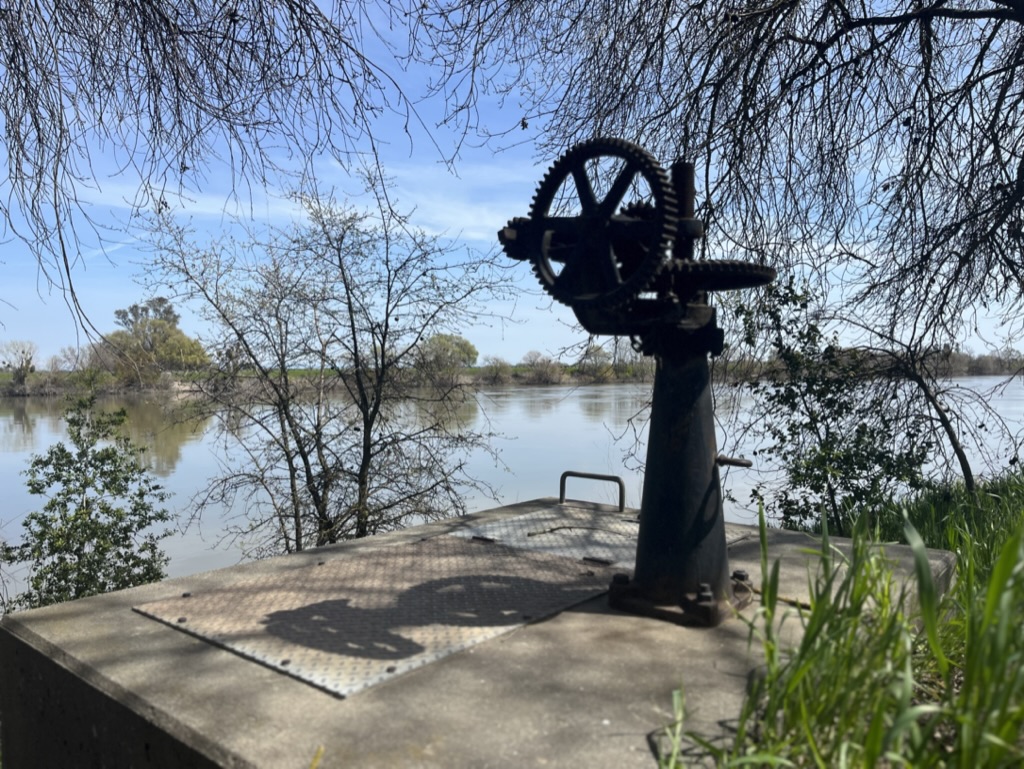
(596, 365)
(148, 351)
(107, 375)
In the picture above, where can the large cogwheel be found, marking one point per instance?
(590, 250)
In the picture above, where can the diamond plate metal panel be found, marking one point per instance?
(569, 532)
(358, 619)
(574, 532)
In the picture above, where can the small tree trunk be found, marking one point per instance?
(949, 430)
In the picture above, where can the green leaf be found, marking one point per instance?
(927, 596)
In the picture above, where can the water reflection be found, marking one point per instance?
(497, 401)
(32, 425)
(541, 431)
(541, 402)
(17, 425)
(613, 404)
(162, 429)
(459, 414)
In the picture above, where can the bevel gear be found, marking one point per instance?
(601, 256)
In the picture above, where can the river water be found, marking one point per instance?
(543, 431)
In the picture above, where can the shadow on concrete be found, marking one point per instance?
(479, 601)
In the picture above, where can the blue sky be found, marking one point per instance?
(469, 208)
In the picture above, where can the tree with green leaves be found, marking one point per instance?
(442, 358)
(541, 369)
(448, 351)
(852, 427)
(99, 528)
(496, 370)
(845, 449)
(137, 318)
(148, 344)
(595, 363)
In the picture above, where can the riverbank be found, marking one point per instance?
(537, 372)
(46, 384)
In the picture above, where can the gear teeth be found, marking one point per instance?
(665, 210)
(513, 239)
(716, 275)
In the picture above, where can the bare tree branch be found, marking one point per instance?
(317, 331)
(164, 93)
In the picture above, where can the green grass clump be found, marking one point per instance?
(887, 672)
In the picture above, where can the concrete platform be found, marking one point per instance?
(94, 683)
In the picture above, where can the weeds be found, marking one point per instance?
(887, 673)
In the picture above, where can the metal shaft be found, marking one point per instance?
(681, 541)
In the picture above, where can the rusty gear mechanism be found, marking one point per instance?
(625, 268)
(612, 235)
(587, 248)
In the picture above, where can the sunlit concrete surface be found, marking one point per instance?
(97, 682)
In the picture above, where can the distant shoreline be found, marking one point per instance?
(66, 385)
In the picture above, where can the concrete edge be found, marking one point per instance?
(137, 706)
(799, 553)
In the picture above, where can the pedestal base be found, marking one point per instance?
(693, 610)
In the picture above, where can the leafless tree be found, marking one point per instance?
(159, 92)
(331, 432)
(18, 357)
(877, 146)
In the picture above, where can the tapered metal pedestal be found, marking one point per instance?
(682, 566)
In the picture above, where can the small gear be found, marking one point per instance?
(513, 245)
(607, 254)
(629, 252)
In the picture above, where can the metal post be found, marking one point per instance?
(681, 546)
(682, 564)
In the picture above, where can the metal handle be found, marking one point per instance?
(722, 459)
(593, 477)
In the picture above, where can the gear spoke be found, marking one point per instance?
(585, 192)
(573, 273)
(608, 271)
(618, 191)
